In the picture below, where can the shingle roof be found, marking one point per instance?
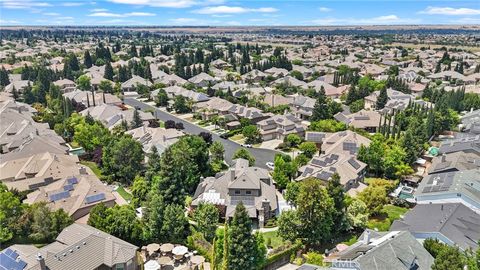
(454, 221)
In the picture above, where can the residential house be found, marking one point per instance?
(173, 91)
(451, 223)
(278, 127)
(76, 194)
(471, 122)
(451, 187)
(302, 107)
(276, 72)
(395, 250)
(330, 90)
(65, 85)
(306, 72)
(18, 85)
(170, 80)
(29, 173)
(453, 162)
(253, 76)
(252, 186)
(78, 246)
(290, 81)
(253, 114)
(160, 138)
(87, 99)
(202, 80)
(132, 83)
(214, 106)
(220, 64)
(339, 155)
(363, 119)
(467, 144)
(111, 115)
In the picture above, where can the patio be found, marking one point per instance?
(171, 257)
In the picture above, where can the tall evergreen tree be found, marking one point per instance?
(4, 80)
(241, 241)
(336, 191)
(382, 99)
(108, 71)
(320, 110)
(87, 59)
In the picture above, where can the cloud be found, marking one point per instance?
(233, 10)
(380, 20)
(99, 10)
(324, 9)
(466, 21)
(72, 4)
(10, 4)
(189, 21)
(2, 21)
(450, 11)
(122, 15)
(159, 3)
(51, 14)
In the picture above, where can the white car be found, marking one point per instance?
(270, 165)
(247, 145)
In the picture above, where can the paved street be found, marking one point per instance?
(262, 156)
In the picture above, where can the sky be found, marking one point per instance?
(240, 12)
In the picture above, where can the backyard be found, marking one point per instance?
(384, 221)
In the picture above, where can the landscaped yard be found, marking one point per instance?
(275, 240)
(237, 137)
(383, 222)
(93, 166)
(127, 196)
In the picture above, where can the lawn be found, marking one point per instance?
(93, 166)
(275, 240)
(237, 137)
(127, 196)
(383, 222)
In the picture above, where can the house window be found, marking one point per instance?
(237, 192)
(119, 266)
(249, 192)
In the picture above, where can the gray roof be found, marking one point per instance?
(397, 250)
(456, 161)
(455, 221)
(79, 246)
(461, 184)
(464, 143)
(217, 189)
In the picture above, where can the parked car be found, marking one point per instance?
(247, 145)
(224, 135)
(270, 165)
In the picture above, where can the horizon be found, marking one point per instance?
(227, 13)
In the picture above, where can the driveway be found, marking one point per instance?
(262, 156)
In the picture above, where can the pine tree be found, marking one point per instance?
(382, 99)
(136, 121)
(225, 247)
(87, 59)
(320, 109)
(241, 241)
(108, 71)
(4, 80)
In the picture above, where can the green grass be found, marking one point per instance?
(275, 240)
(127, 196)
(237, 137)
(94, 167)
(383, 222)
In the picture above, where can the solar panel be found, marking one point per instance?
(10, 262)
(59, 196)
(324, 175)
(68, 187)
(95, 198)
(72, 180)
(354, 163)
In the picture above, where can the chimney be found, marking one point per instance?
(82, 170)
(444, 158)
(366, 237)
(442, 207)
(231, 174)
(41, 261)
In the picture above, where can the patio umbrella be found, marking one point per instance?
(164, 260)
(180, 250)
(196, 260)
(166, 248)
(151, 265)
(152, 248)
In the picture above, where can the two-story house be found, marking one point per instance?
(277, 127)
(252, 186)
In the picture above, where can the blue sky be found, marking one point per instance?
(249, 12)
